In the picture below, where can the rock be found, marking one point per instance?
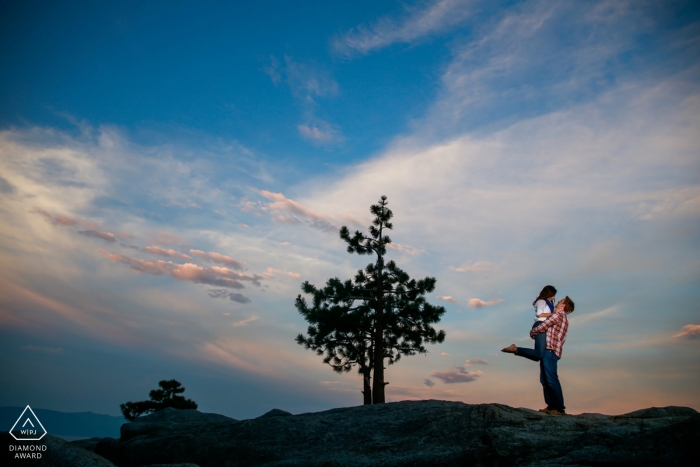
(87, 444)
(275, 413)
(411, 433)
(57, 453)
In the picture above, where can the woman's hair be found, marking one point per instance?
(568, 305)
(548, 291)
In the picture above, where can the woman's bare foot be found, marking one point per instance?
(511, 349)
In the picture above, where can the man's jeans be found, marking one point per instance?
(537, 353)
(553, 395)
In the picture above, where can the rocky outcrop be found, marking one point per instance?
(411, 433)
(49, 452)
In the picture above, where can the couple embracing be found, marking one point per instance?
(549, 332)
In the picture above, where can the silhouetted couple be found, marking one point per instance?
(549, 333)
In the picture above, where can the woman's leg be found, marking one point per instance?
(537, 353)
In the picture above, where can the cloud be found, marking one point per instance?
(244, 322)
(447, 298)
(270, 273)
(225, 294)
(320, 133)
(479, 266)
(690, 331)
(168, 239)
(428, 382)
(106, 236)
(283, 209)
(6, 187)
(167, 253)
(59, 219)
(457, 375)
(219, 258)
(444, 354)
(217, 276)
(475, 361)
(437, 17)
(408, 249)
(479, 303)
(583, 318)
(306, 80)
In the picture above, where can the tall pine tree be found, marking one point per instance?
(381, 314)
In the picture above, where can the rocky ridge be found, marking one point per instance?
(400, 434)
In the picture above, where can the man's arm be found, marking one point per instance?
(546, 324)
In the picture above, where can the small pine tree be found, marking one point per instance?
(380, 315)
(166, 396)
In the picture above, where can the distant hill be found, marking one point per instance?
(66, 425)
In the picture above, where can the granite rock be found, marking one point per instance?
(411, 433)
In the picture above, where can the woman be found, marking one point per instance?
(544, 306)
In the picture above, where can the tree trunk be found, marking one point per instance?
(367, 389)
(378, 383)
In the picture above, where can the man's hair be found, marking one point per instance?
(547, 291)
(568, 305)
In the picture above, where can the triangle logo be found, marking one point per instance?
(28, 427)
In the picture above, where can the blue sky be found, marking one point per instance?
(172, 171)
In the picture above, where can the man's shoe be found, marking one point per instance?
(510, 349)
(556, 412)
(545, 410)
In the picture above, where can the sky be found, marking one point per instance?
(171, 172)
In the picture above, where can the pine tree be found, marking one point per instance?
(381, 314)
(166, 396)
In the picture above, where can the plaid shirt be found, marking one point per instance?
(556, 326)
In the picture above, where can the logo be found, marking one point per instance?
(28, 427)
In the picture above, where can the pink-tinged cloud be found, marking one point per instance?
(170, 253)
(283, 209)
(479, 266)
(271, 272)
(220, 277)
(168, 239)
(408, 249)
(65, 221)
(475, 361)
(218, 258)
(106, 236)
(447, 298)
(690, 331)
(478, 303)
(457, 375)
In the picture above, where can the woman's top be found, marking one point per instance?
(543, 306)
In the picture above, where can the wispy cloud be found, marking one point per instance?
(447, 298)
(436, 17)
(457, 375)
(166, 252)
(307, 83)
(216, 276)
(428, 382)
(219, 258)
(479, 266)
(320, 132)
(690, 331)
(408, 249)
(62, 220)
(479, 303)
(283, 209)
(584, 318)
(272, 272)
(475, 361)
(106, 236)
(225, 294)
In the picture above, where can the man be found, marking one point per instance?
(556, 327)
